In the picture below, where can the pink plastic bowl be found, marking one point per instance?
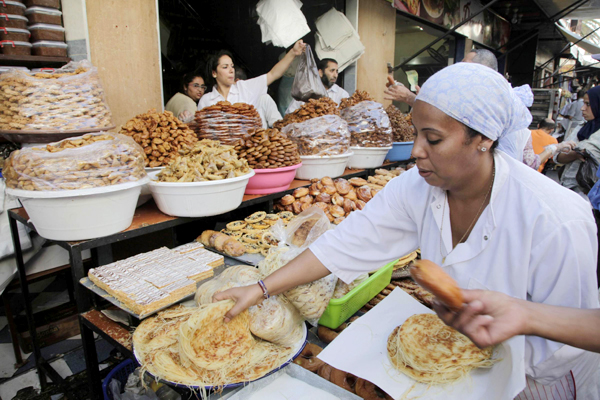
(274, 180)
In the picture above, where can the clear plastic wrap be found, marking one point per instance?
(277, 321)
(342, 288)
(226, 122)
(310, 299)
(322, 136)
(161, 135)
(311, 109)
(369, 125)
(84, 162)
(70, 98)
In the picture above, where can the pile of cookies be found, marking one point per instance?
(207, 160)
(402, 128)
(85, 162)
(357, 97)
(226, 122)
(161, 135)
(311, 109)
(267, 148)
(337, 198)
(253, 233)
(64, 101)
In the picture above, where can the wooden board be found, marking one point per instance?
(377, 30)
(124, 46)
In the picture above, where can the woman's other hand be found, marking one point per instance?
(298, 48)
(487, 318)
(185, 116)
(244, 297)
(399, 92)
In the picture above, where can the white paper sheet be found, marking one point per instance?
(361, 350)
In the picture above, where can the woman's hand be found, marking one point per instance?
(185, 116)
(487, 318)
(298, 48)
(244, 297)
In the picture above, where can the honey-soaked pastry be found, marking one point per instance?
(161, 135)
(226, 122)
(268, 148)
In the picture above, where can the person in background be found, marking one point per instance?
(398, 92)
(543, 144)
(266, 107)
(183, 105)
(328, 71)
(222, 72)
(483, 57)
(587, 138)
(489, 318)
(574, 116)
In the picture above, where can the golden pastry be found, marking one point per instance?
(236, 225)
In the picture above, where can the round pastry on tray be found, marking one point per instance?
(166, 346)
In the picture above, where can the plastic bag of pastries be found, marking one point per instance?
(69, 98)
(276, 320)
(369, 125)
(310, 299)
(88, 161)
(226, 122)
(322, 136)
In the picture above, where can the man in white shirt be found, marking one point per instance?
(328, 70)
(266, 107)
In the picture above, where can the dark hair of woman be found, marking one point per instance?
(213, 63)
(472, 133)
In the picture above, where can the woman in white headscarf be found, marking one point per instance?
(488, 219)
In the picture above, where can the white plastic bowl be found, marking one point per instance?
(72, 215)
(198, 199)
(367, 157)
(322, 166)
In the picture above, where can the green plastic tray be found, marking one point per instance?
(339, 310)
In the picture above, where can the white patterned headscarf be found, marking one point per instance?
(477, 96)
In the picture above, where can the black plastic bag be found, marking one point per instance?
(307, 82)
(586, 174)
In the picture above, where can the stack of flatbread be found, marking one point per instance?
(401, 268)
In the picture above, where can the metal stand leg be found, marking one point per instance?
(13, 330)
(78, 272)
(91, 360)
(25, 291)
